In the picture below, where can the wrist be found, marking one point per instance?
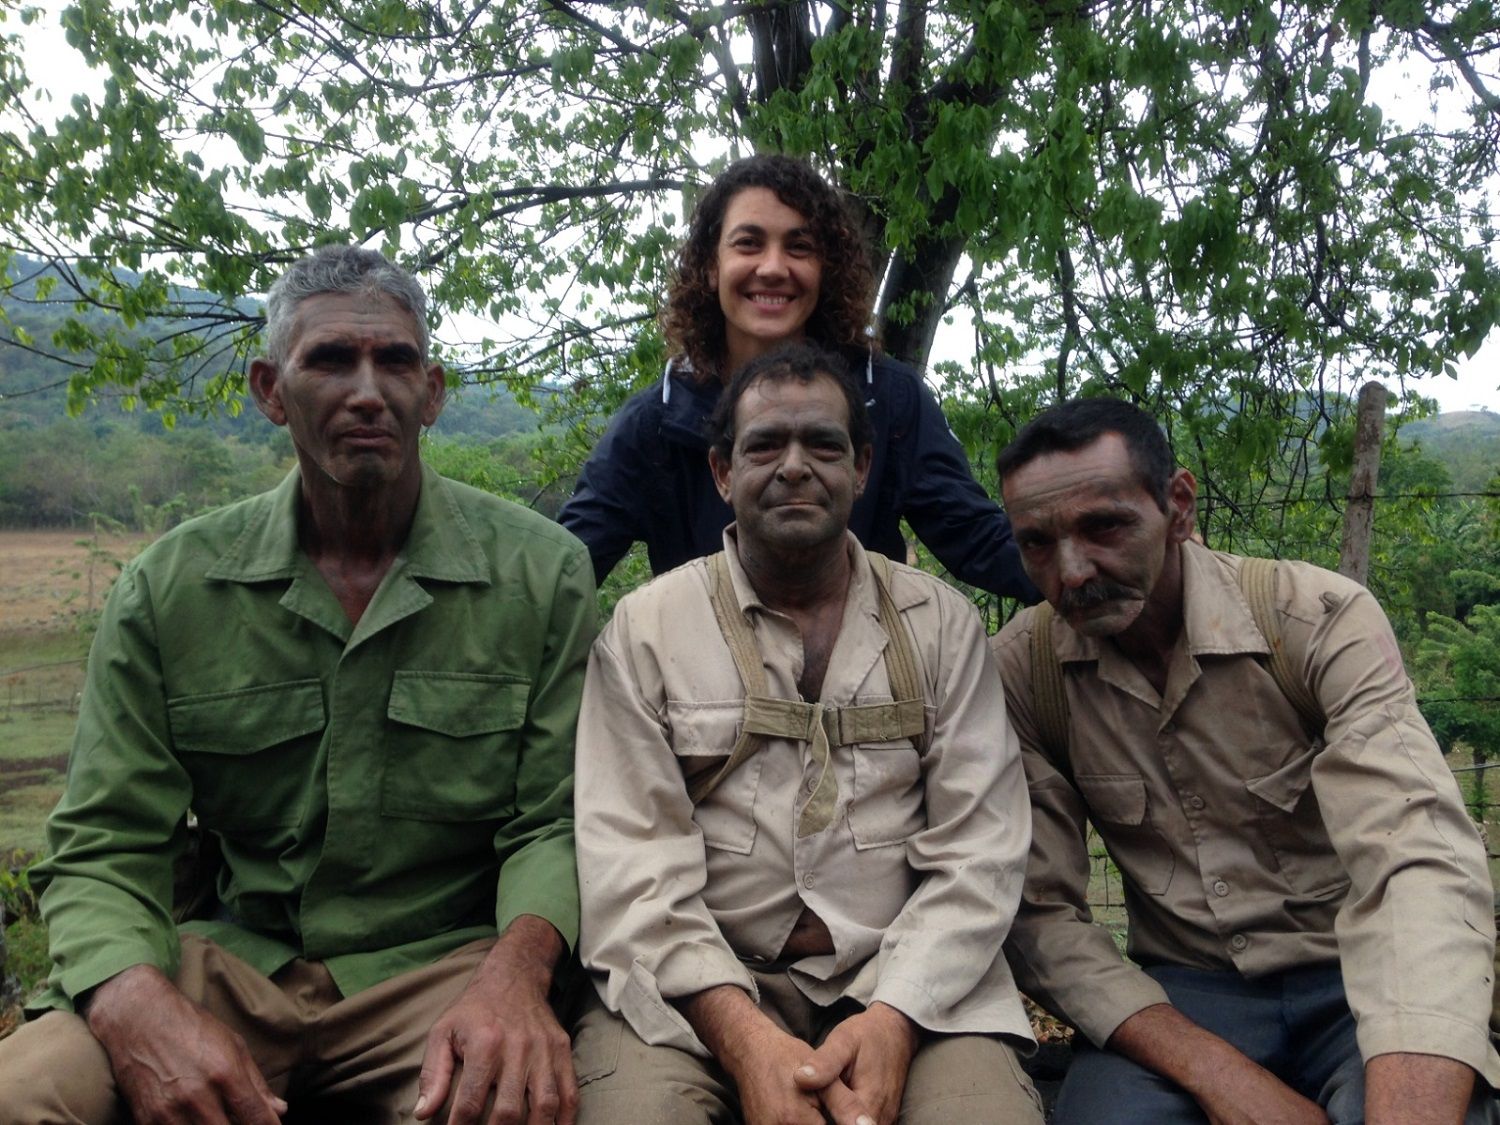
(900, 1024)
(523, 957)
(109, 1003)
(730, 1025)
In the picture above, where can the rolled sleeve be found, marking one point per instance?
(641, 862)
(536, 851)
(942, 948)
(1416, 930)
(114, 836)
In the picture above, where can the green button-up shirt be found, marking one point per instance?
(383, 792)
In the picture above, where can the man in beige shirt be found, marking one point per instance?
(802, 816)
(1309, 909)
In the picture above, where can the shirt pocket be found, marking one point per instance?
(702, 736)
(249, 751)
(1120, 808)
(453, 742)
(886, 806)
(1290, 821)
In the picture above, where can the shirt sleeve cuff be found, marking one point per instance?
(1111, 1002)
(1425, 1033)
(542, 880)
(66, 986)
(646, 1000)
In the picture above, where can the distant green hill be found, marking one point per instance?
(1465, 442)
(33, 387)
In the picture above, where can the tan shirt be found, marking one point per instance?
(918, 875)
(1242, 844)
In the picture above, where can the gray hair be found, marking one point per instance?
(339, 269)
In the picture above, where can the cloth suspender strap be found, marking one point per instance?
(820, 726)
(1047, 689)
(1257, 580)
(1258, 584)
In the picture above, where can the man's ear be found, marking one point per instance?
(862, 461)
(437, 394)
(1182, 506)
(265, 389)
(722, 471)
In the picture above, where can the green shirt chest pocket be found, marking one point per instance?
(453, 743)
(249, 751)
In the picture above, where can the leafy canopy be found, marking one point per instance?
(1198, 203)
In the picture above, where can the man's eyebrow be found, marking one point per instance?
(326, 350)
(400, 352)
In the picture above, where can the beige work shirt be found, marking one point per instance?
(1243, 843)
(917, 876)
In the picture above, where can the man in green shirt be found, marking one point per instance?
(364, 685)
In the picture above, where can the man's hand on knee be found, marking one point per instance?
(762, 1070)
(870, 1053)
(758, 1055)
(501, 1038)
(175, 1063)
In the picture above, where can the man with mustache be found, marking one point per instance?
(801, 815)
(364, 685)
(1309, 904)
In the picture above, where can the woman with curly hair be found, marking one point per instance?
(774, 255)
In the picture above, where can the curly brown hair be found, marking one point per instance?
(692, 320)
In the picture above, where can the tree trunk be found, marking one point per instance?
(922, 280)
(1359, 516)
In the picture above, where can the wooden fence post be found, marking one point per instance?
(1359, 515)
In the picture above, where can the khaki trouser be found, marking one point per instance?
(974, 1079)
(362, 1054)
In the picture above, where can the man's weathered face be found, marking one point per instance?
(794, 474)
(1091, 535)
(353, 390)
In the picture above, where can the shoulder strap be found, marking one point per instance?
(902, 665)
(746, 653)
(766, 715)
(1258, 584)
(1048, 693)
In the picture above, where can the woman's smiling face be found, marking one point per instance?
(767, 270)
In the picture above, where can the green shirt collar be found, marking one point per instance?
(440, 546)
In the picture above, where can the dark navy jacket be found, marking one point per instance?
(648, 479)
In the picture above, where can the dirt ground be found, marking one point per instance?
(49, 578)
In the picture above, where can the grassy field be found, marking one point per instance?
(52, 584)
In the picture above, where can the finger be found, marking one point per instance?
(844, 1105)
(437, 1073)
(542, 1099)
(825, 1064)
(263, 1091)
(249, 1106)
(511, 1084)
(476, 1078)
(567, 1089)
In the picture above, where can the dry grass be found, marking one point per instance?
(51, 578)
